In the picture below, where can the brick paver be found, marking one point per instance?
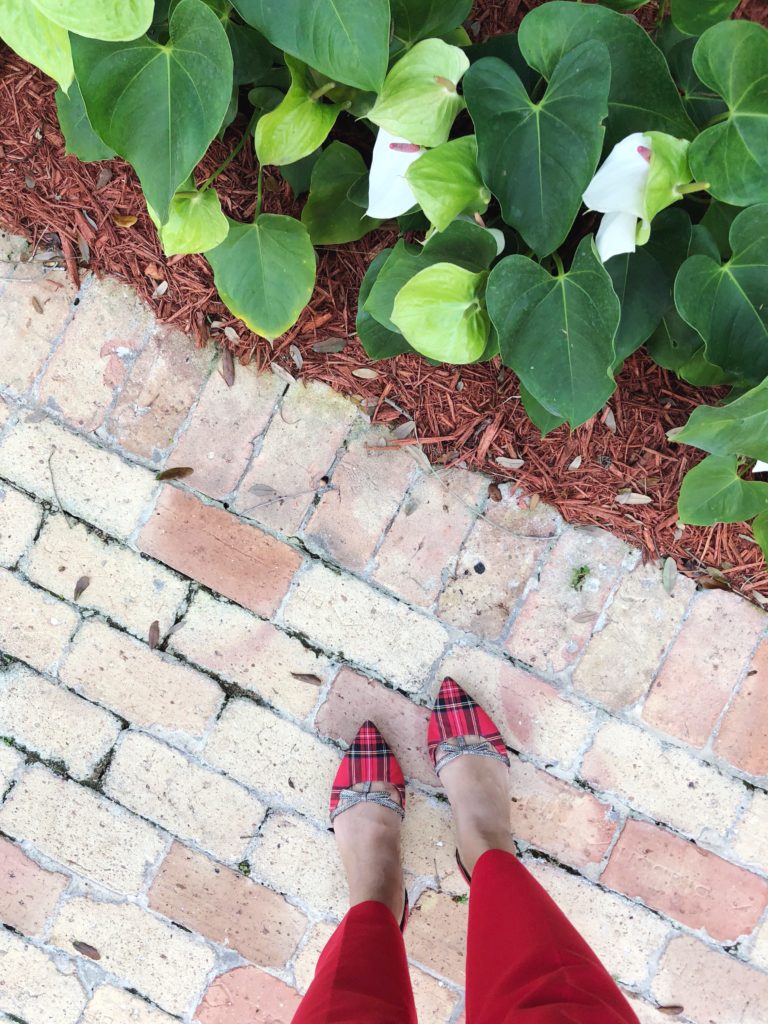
(168, 737)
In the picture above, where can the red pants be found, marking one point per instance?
(526, 963)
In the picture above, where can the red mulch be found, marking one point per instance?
(469, 414)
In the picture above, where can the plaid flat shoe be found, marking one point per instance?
(455, 717)
(368, 760)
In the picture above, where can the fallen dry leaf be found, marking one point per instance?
(609, 419)
(307, 677)
(632, 498)
(261, 489)
(155, 271)
(296, 356)
(669, 574)
(227, 367)
(585, 617)
(510, 463)
(82, 585)
(154, 635)
(575, 464)
(404, 430)
(86, 949)
(36, 304)
(124, 220)
(161, 289)
(533, 504)
(672, 1011)
(174, 473)
(494, 492)
(330, 345)
(231, 335)
(364, 373)
(104, 178)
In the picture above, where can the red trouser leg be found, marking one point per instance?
(526, 963)
(362, 974)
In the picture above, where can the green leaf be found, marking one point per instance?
(195, 221)
(538, 415)
(440, 312)
(112, 20)
(557, 333)
(717, 220)
(701, 103)
(506, 48)
(252, 55)
(760, 532)
(37, 39)
(643, 96)
(377, 340)
(418, 100)
(159, 107)
(446, 181)
(329, 216)
(299, 174)
(739, 428)
(696, 16)
(348, 40)
(623, 5)
(80, 138)
(420, 19)
(732, 59)
(713, 492)
(537, 158)
(728, 304)
(299, 124)
(265, 272)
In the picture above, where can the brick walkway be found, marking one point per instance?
(163, 852)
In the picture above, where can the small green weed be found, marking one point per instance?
(244, 868)
(579, 576)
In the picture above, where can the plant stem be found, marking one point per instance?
(662, 12)
(258, 192)
(225, 164)
(695, 186)
(558, 263)
(722, 116)
(322, 90)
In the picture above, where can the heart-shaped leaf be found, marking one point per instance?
(643, 96)
(760, 532)
(37, 39)
(345, 39)
(557, 333)
(159, 107)
(713, 492)
(695, 16)
(265, 272)
(252, 54)
(112, 20)
(739, 428)
(80, 138)
(541, 418)
(378, 341)
(195, 222)
(447, 182)
(701, 103)
(623, 5)
(537, 158)
(422, 19)
(329, 216)
(731, 58)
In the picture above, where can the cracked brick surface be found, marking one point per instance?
(168, 736)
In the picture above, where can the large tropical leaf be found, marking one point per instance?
(112, 20)
(378, 341)
(739, 428)
(37, 39)
(329, 215)
(713, 492)
(297, 125)
(196, 222)
(695, 16)
(80, 138)
(421, 19)
(446, 181)
(701, 102)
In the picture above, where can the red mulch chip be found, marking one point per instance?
(469, 415)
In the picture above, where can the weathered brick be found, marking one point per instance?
(428, 843)
(369, 484)
(621, 660)
(685, 882)
(556, 620)
(210, 545)
(297, 452)
(273, 756)
(26, 335)
(531, 714)
(226, 907)
(625, 935)
(111, 1005)
(247, 994)
(750, 837)
(65, 469)
(163, 384)
(353, 698)
(161, 962)
(559, 819)
(438, 914)
(6, 411)
(28, 893)
(229, 641)
(191, 802)
(664, 782)
(31, 985)
(54, 722)
(743, 735)
(759, 951)
(645, 1013)
(34, 627)
(107, 330)
(19, 522)
(426, 535)
(81, 830)
(10, 762)
(344, 615)
(710, 986)
(305, 963)
(144, 687)
(703, 666)
(218, 443)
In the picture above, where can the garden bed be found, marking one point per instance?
(470, 414)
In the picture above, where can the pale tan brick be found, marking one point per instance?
(226, 907)
(81, 830)
(92, 484)
(26, 335)
(438, 914)
(219, 440)
(664, 782)
(246, 994)
(28, 893)
(424, 540)
(31, 985)
(34, 626)
(532, 716)
(10, 762)
(139, 684)
(428, 842)
(163, 384)
(129, 589)
(6, 411)
(344, 615)
(710, 986)
(273, 756)
(297, 452)
(242, 649)
(704, 665)
(191, 802)
(645, 1013)
(759, 950)
(161, 962)
(750, 837)
(107, 330)
(111, 1005)
(743, 735)
(19, 522)
(54, 722)
(305, 963)
(621, 660)
(556, 620)
(625, 936)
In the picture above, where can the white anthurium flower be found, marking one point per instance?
(389, 194)
(496, 235)
(760, 467)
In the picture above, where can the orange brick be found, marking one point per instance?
(247, 994)
(743, 735)
(28, 894)
(214, 547)
(687, 883)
